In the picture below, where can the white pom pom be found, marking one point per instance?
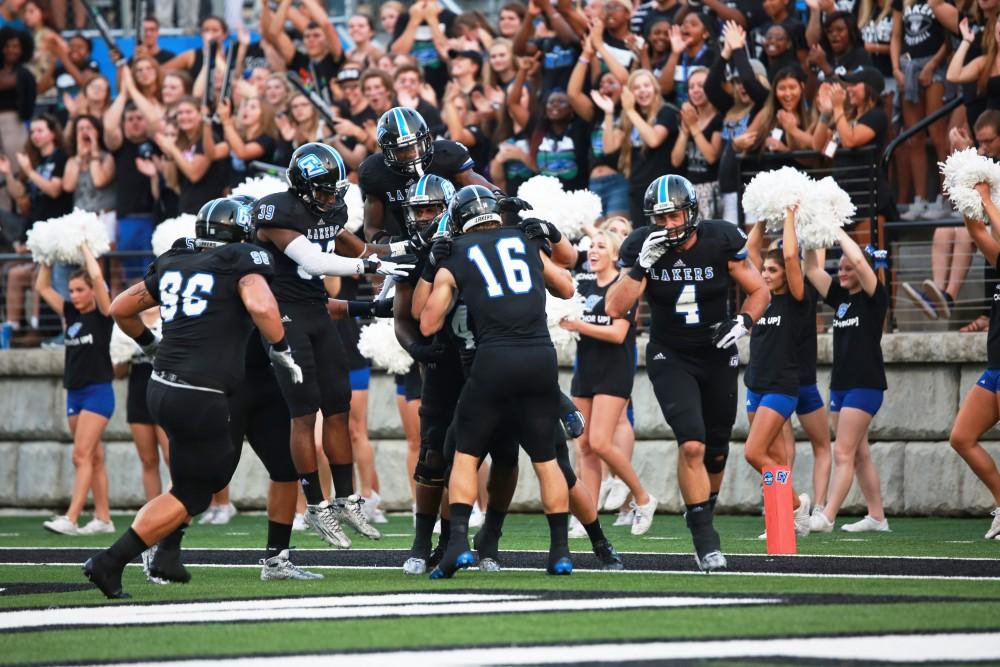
(355, 208)
(261, 186)
(546, 196)
(770, 193)
(827, 208)
(378, 343)
(556, 310)
(122, 348)
(58, 240)
(962, 171)
(580, 208)
(170, 230)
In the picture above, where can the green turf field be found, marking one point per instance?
(637, 615)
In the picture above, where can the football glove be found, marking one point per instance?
(512, 204)
(727, 333)
(653, 248)
(152, 342)
(439, 252)
(427, 353)
(398, 267)
(284, 360)
(534, 228)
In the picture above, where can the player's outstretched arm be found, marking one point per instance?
(309, 256)
(440, 301)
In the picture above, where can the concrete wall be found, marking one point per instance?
(928, 376)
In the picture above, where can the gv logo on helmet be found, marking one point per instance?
(310, 166)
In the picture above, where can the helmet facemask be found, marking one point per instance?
(409, 155)
(676, 235)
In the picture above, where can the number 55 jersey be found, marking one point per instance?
(205, 324)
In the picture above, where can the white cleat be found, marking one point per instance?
(617, 494)
(867, 525)
(147, 559)
(322, 519)
(352, 513)
(803, 521)
(279, 568)
(712, 561)
(994, 532)
(415, 566)
(818, 523)
(643, 517)
(489, 565)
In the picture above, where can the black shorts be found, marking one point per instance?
(202, 457)
(443, 381)
(318, 350)
(616, 381)
(257, 412)
(517, 385)
(136, 408)
(349, 331)
(409, 385)
(696, 390)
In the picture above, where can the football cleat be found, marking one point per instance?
(280, 568)
(435, 557)
(323, 520)
(352, 513)
(994, 532)
(489, 565)
(710, 562)
(105, 577)
(608, 556)
(166, 565)
(563, 566)
(414, 565)
(147, 558)
(464, 560)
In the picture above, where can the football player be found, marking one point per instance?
(210, 298)
(303, 228)
(687, 268)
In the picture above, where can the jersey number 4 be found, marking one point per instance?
(515, 271)
(184, 295)
(687, 305)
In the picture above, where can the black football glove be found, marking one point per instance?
(439, 252)
(535, 228)
(427, 353)
(730, 331)
(512, 205)
(420, 242)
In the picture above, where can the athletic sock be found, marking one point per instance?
(172, 542)
(558, 535)
(343, 479)
(278, 537)
(699, 520)
(126, 548)
(311, 487)
(458, 541)
(445, 533)
(594, 531)
(713, 497)
(422, 538)
(493, 523)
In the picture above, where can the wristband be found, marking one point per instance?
(398, 248)
(428, 272)
(825, 118)
(583, 61)
(145, 338)
(747, 320)
(361, 308)
(636, 272)
(280, 346)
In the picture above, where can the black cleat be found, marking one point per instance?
(167, 565)
(486, 544)
(105, 577)
(459, 562)
(609, 558)
(435, 556)
(563, 566)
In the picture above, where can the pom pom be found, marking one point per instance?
(770, 193)
(962, 171)
(355, 208)
(580, 208)
(822, 213)
(170, 230)
(569, 211)
(556, 310)
(122, 348)
(58, 240)
(378, 343)
(261, 186)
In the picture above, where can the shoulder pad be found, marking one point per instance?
(281, 210)
(450, 158)
(243, 258)
(731, 237)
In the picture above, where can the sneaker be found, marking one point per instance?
(371, 505)
(166, 564)
(299, 523)
(414, 566)
(624, 518)
(147, 559)
(915, 210)
(576, 529)
(710, 562)
(817, 509)
(936, 210)
(643, 518)
(378, 516)
(223, 514)
(489, 565)
(920, 300)
(97, 527)
(602, 494)
(208, 516)
(818, 523)
(801, 516)
(994, 532)
(352, 513)
(62, 525)
(105, 577)
(323, 520)
(617, 494)
(867, 525)
(606, 553)
(942, 300)
(277, 568)
(478, 516)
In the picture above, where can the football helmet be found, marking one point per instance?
(318, 175)
(426, 199)
(472, 206)
(668, 194)
(406, 143)
(222, 221)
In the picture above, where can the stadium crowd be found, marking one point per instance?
(605, 95)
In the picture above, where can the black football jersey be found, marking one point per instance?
(205, 325)
(376, 179)
(499, 278)
(285, 210)
(688, 290)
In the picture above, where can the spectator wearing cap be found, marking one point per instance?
(509, 21)
(411, 91)
(466, 68)
(852, 117)
(361, 29)
(557, 53)
(355, 119)
(690, 47)
(737, 87)
(421, 33)
(322, 55)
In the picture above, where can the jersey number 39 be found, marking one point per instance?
(515, 271)
(184, 295)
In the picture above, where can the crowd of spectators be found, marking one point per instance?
(603, 94)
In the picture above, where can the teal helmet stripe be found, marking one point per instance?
(422, 185)
(341, 167)
(662, 197)
(404, 129)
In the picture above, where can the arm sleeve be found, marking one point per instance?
(315, 262)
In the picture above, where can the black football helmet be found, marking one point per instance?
(318, 176)
(668, 194)
(406, 143)
(428, 194)
(222, 221)
(472, 206)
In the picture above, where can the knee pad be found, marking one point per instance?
(717, 451)
(430, 469)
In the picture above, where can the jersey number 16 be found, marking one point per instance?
(515, 271)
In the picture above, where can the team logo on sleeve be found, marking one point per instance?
(310, 166)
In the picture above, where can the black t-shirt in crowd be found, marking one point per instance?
(879, 31)
(481, 151)
(565, 155)
(431, 116)
(649, 13)
(205, 324)
(649, 164)
(284, 210)
(857, 336)
(878, 121)
(695, 165)
(796, 31)
(43, 206)
(558, 60)
(598, 360)
(517, 172)
(133, 189)
(499, 278)
(162, 57)
(847, 62)
(922, 34)
(88, 337)
(316, 73)
(239, 169)
(774, 363)
(688, 290)
(212, 184)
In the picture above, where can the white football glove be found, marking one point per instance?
(653, 248)
(399, 267)
(727, 333)
(285, 360)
